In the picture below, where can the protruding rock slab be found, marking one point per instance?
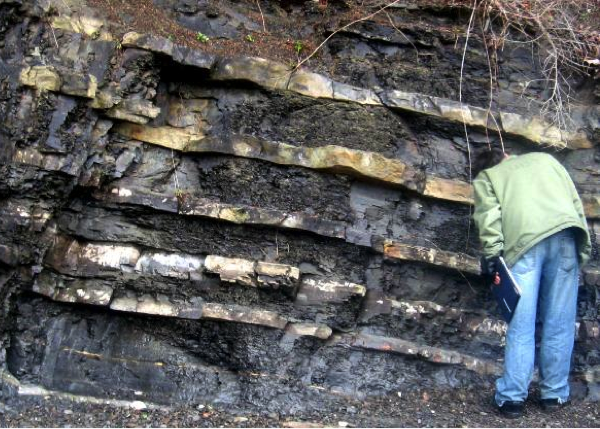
(193, 57)
(140, 197)
(534, 128)
(68, 256)
(134, 110)
(344, 92)
(322, 332)
(48, 78)
(238, 313)
(277, 275)
(442, 258)
(256, 215)
(158, 306)
(48, 161)
(311, 84)
(471, 323)
(71, 257)
(268, 74)
(432, 354)
(444, 108)
(314, 290)
(161, 45)
(43, 78)
(250, 273)
(448, 189)
(75, 291)
(149, 42)
(539, 131)
(334, 158)
(231, 270)
(171, 137)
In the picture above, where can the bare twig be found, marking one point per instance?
(403, 35)
(53, 35)
(493, 78)
(364, 18)
(462, 111)
(460, 82)
(175, 178)
(261, 16)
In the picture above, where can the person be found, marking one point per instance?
(528, 211)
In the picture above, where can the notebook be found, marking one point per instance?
(507, 292)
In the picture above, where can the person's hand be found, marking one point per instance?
(489, 270)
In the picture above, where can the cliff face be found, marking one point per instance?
(185, 223)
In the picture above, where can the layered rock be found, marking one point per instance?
(185, 225)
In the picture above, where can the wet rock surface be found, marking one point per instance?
(183, 225)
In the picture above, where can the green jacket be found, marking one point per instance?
(523, 200)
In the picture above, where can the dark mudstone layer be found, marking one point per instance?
(67, 348)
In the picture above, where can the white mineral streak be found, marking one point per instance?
(332, 286)
(417, 307)
(177, 265)
(112, 256)
(23, 212)
(122, 192)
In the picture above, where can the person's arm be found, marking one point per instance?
(585, 249)
(488, 217)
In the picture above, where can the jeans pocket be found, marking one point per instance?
(568, 253)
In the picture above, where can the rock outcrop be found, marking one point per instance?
(182, 224)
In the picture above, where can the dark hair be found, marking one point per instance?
(486, 158)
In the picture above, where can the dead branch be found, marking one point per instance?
(403, 35)
(261, 16)
(462, 110)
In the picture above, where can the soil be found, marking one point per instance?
(459, 408)
(144, 17)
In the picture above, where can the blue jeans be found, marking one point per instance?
(548, 276)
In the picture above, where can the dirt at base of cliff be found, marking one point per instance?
(458, 408)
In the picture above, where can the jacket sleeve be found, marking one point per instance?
(584, 243)
(488, 217)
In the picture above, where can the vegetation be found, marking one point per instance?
(298, 46)
(202, 37)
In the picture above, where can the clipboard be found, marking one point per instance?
(507, 292)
